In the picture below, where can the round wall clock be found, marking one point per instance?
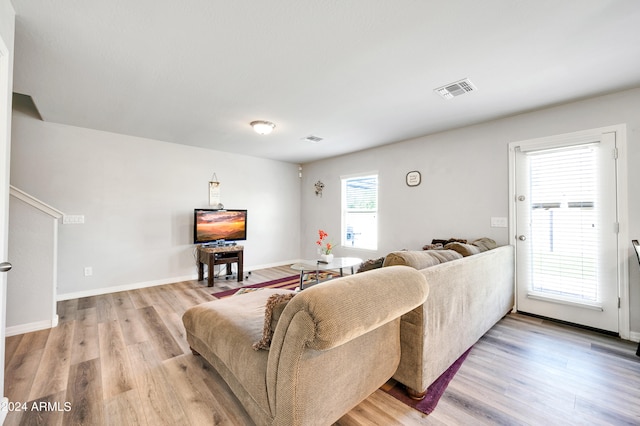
(413, 178)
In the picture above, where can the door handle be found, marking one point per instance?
(522, 238)
(5, 267)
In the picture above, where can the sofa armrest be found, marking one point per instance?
(346, 308)
(344, 332)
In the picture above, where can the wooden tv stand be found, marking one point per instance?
(223, 255)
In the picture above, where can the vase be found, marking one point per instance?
(327, 257)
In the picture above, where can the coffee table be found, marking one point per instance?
(317, 265)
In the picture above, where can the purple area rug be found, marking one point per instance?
(288, 283)
(434, 392)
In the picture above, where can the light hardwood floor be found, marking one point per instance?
(122, 359)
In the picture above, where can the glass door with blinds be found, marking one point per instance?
(566, 226)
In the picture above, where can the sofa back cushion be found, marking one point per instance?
(446, 255)
(420, 259)
(462, 248)
(485, 244)
(475, 247)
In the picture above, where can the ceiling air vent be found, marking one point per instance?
(313, 139)
(458, 88)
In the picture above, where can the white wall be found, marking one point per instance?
(464, 180)
(32, 252)
(138, 196)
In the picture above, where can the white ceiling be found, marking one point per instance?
(358, 73)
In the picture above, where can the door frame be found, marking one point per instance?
(622, 208)
(6, 83)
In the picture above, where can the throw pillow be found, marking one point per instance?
(416, 259)
(272, 311)
(450, 240)
(463, 249)
(484, 244)
(371, 264)
(438, 246)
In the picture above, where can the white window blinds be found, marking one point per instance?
(564, 223)
(360, 212)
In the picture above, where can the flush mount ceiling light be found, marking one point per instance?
(262, 127)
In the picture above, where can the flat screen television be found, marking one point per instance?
(215, 225)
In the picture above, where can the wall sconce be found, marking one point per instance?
(214, 192)
(319, 187)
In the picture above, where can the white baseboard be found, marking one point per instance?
(145, 284)
(634, 336)
(125, 287)
(32, 326)
(273, 265)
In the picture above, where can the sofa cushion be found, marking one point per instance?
(446, 255)
(240, 319)
(272, 311)
(485, 244)
(462, 248)
(420, 259)
(437, 246)
(415, 259)
(370, 264)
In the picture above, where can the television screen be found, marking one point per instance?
(214, 225)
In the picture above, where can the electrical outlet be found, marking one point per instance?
(499, 222)
(88, 271)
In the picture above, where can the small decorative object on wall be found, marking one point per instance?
(319, 187)
(324, 247)
(214, 191)
(413, 178)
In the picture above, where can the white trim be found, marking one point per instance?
(569, 302)
(32, 326)
(624, 313)
(55, 214)
(32, 201)
(634, 336)
(274, 265)
(124, 287)
(564, 139)
(622, 203)
(54, 272)
(145, 284)
(360, 174)
(6, 83)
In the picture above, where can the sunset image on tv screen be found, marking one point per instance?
(221, 225)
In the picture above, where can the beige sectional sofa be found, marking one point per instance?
(471, 287)
(333, 345)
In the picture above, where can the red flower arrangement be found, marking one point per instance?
(327, 246)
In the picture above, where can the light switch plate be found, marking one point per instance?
(499, 222)
(72, 219)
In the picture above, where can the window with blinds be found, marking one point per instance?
(360, 212)
(564, 224)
